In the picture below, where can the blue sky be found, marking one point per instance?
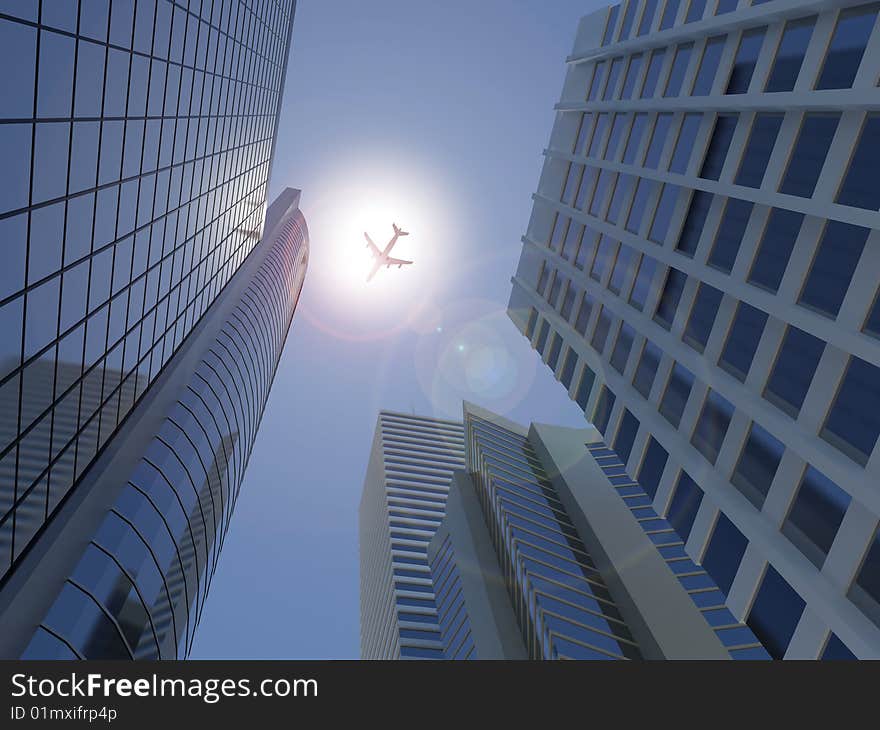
(433, 115)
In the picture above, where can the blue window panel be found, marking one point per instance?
(622, 267)
(621, 192)
(572, 181)
(757, 465)
(568, 366)
(543, 332)
(633, 67)
(658, 140)
(634, 139)
(853, 424)
(584, 128)
(865, 591)
(670, 297)
(847, 47)
(775, 613)
(646, 371)
(724, 553)
(649, 88)
(604, 406)
(808, 156)
(651, 471)
(736, 636)
(815, 515)
(77, 618)
(679, 69)
(628, 17)
(684, 505)
(774, 251)
(647, 17)
(600, 334)
(836, 650)
(702, 319)
(598, 135)
(712, 425)
(584, 312)
(613, 78)
(626, 435)
(790, 55)
(742, 341)
(709, 66)
(730, 234)
(611, 25)
(18, 58)
(585, 386)
(726, 6)
(663, 214)
(622, 347)
(872, 323)
(694, 222)
(695, 11)
(744, 63)
(765, 130)
(719, 144)
(685, 143)
(669, 14)
(44, 645)
(555, 349)
(642, 284)
(571, 241)
(614, 139)
(597, 80)
(604, 256)
(859, 188)
(644, 191)
(793, 371)
(833, 267)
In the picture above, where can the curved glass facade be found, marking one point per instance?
(136, 140)
(140, 585)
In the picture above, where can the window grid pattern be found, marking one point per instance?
(764, 250)
(138, 139)
(458, 643)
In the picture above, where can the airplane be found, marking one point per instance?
(382, 258)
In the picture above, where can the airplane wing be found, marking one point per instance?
(374, 249)
(376, 267)
(396, 262)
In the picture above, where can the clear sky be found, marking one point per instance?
(432, 115)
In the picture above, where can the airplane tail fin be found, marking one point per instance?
(399, 231)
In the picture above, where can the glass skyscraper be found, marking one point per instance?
(137, 138)
(700, 272)
(403, 502)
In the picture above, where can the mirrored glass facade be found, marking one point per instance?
(138, 589)
(137, 139)
(754, 359)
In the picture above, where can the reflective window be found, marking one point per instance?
(847, 47)
(730, 234)
(762, 139)
(685, 143)
(651, 471)
(669, 13)
(543, 332)
(649, 88)
(604, 256)
(695, 11)
(742, 340)
(853, 423)
(859, 187)
(679, 69)
(790, 54)
(793, 371)
(757, 465)
(709, 65)
(694, 222)
(626, 435)
(872, 323)
(628, 17)
(596, 81)
(684, 505)
(658, 140)
(712, 426)
(604, 406)
(584, 129)
(621, 193)
(642, 285)
(678, 390)
(598, 135)
(815, 515)
(670, 297)
(644, 192)
(555, 349)
(719, 143)
(611, 25)
(585, 387)
(775, 613)
(600, 334)
(568, 302)
(634, 139)
(774, 250)
(724, 553)
(833, 267)
(568, 366)
(744, 63)
(703, 314)
(663, 215)
(633, 67)
(622, 347)
(808, 157)
(584, 313)
(835, 649)
(622, 268)
(571, 241)
(865, 591)
(613, 78)
(646, 371)
(647, 16)
(726, 6)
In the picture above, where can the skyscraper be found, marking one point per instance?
(138, 140)
(403, 501)
(700, 272)
(549, 551)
